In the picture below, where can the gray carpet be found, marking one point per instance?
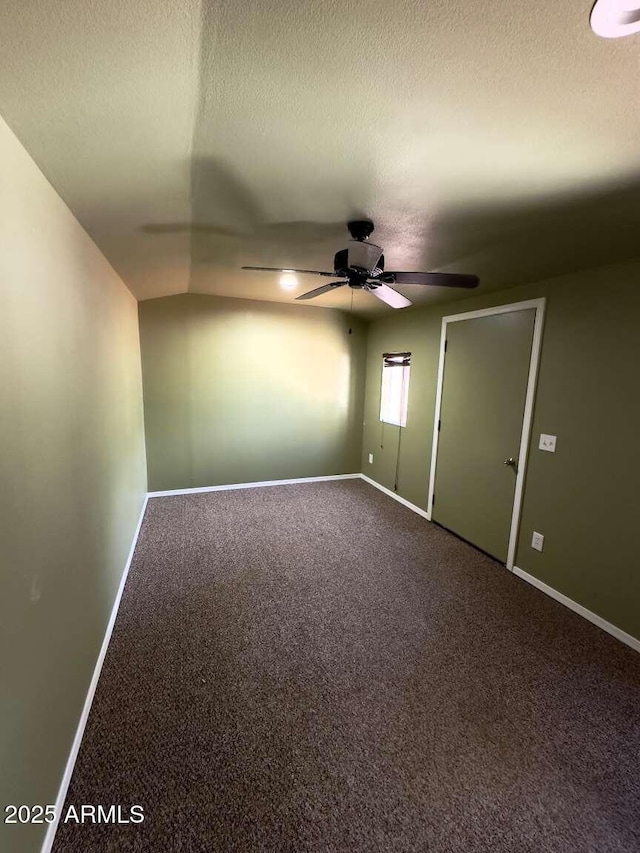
(316, 668)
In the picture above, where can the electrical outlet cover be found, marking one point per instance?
(547, 442)
(370, 458)
(537, 541)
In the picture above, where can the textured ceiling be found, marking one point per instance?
(191, 138)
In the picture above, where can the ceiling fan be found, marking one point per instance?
(361, 266)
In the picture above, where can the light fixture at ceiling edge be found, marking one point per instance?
(615, 18)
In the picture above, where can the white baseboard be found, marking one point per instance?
(75, 748)
(257, 485)
(616, 632)
(396, 497)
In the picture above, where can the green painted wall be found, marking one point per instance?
(72, 469)
(583, 498)
(238, 391)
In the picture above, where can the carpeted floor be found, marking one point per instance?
(316, 668)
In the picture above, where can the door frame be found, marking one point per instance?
(539, 306)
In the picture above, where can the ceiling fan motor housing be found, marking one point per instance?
(360, 229)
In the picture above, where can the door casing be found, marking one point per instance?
(539, 306)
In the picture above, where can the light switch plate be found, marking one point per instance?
(547, 442)
(371, 459)
(537, 541)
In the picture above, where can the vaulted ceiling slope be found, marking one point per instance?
(191, 138)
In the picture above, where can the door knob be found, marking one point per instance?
(510, 461)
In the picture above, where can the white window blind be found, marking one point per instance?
(395, 388)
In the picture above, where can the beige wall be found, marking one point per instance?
(72, 474)
(239, 391)
(583, 498)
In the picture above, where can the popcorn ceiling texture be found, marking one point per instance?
(315, 668)
(496, 138)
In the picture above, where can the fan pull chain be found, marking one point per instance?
(402, 392)
(395, 485)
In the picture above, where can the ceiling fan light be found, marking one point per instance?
(363, 256)
(288, 280)
(615, 18)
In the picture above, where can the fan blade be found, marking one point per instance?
(390, 296)
(437, 279)
(320, 290)
(302, 272)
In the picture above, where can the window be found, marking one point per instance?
(395, 387)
